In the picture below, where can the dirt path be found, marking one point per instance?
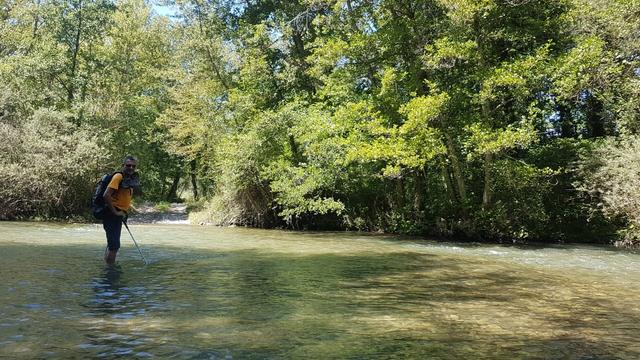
(148, 214)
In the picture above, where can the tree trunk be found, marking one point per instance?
(448, 184)
(594, 119)
(487, 117)
(74, 56)
(400, 193)
(567, 127)
(205, 33)
(173, 191)
(487, 195)
(456, 167)
(194, 184)
(36, 26)
(417, 198)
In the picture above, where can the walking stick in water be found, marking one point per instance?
(124, 221)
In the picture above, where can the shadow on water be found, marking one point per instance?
(111, 299)
(252, 304)
(113, 296)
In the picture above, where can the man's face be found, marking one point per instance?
(130, 166)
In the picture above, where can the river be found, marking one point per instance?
(235, 293)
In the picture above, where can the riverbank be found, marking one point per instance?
(177, 213)
(149, 212)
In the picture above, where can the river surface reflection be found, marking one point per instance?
(211, 293)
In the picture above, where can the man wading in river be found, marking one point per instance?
(117, 198)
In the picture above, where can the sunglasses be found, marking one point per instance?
(130, 166)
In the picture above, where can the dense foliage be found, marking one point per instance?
(479, 119)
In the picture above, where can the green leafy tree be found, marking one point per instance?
(610, 175)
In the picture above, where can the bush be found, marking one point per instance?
(612, 175)
(50, 166)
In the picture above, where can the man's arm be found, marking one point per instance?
(109, 202)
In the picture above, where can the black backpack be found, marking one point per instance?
(98, 205)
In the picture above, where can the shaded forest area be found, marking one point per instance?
(479, 119)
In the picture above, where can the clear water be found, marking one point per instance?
(211, 293)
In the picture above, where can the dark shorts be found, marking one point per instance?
(113, 227)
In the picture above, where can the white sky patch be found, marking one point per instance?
(169, 11)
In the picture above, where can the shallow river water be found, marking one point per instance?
(212, 293)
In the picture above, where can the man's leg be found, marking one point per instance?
(113, 227)
(110, 256)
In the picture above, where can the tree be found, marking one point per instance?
(610, 174)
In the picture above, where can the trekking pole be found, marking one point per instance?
(134, 241)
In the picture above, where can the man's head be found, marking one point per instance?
(129, 164)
